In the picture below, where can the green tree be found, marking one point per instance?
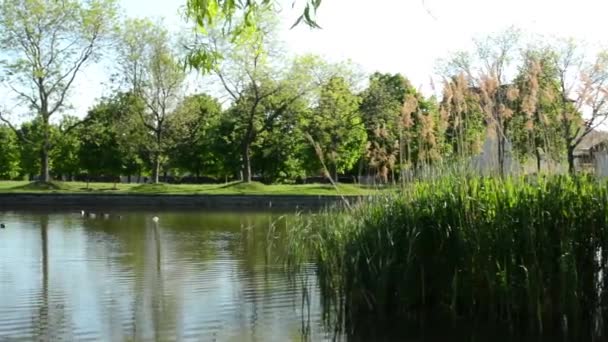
(100, 153)
(487, 70)
(9, 153)
(278, 153)
(381, 110)
(133, 138)
(582, 88)
(226, 143)
(152, 70)
(112, 139)
(262, 83)
(336, 128)
(193, 126)
(237, 20)
(465, 128)
(46, 45)
(65, 156)
(536, 125)
(31, 135)
(423, 128)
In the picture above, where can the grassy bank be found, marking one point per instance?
(523, 258)
(234, 188)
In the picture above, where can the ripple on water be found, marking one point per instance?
(120, 280)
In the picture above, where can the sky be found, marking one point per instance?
(405, 36)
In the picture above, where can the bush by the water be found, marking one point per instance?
(527, 257)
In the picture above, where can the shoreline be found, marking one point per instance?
(24, 200)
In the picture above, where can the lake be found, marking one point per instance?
(192, 276)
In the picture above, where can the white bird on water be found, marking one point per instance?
(82, 213)
(155, 219)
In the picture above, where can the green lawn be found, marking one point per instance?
(235, 188)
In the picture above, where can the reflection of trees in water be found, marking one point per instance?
(153, 279)
(51, 312)
(136, 244)
(259, 251)
(243, 240)
(159, 260)
(43, 310)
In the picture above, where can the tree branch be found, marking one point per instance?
(18, 132)
(27, 97)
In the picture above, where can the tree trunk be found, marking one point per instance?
(156, 170)
(571, 168)
(44, 150)
(538, 161)
(501, 153)
(246, 164)
(159, 139)
(44, 164)
(44, 308)
(336, 174)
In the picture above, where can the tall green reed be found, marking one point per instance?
(526, 256)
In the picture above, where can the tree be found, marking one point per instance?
(583, 94)
(133, 137)
(278, 153)
(30, 152)
(66, 162)
(423, 127)
(133, 50)
(465, 119)
(488, 71)
(238, 20)
(193, 126)
(498, 101)
(47, 44)
(226, 143)
(381, 110)
(261, 82)
(99, 149)
(9, 153)
(111, 140)
(536, 122)
(154, 74)
(336, 128)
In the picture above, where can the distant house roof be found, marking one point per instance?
(591, 140)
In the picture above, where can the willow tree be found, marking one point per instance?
(237, 19)
(46, 45)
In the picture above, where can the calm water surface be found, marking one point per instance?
(193, 276)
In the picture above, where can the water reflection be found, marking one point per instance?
(191, 276)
